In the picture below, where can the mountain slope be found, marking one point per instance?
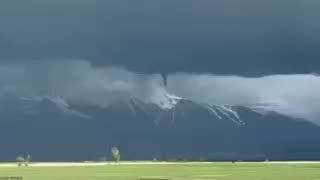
(52, 129)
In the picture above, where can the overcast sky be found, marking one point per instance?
(234, 51)
(248, 37)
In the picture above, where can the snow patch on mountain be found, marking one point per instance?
(36, 104)
(221, 112)
(263, 109)
(225, 112)
(58, 101)
(173, 105)
(167, 102)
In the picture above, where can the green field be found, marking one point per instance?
(215, 171)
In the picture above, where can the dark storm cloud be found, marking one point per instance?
(150, 36)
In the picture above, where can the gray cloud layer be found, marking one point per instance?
(77, 80)
(80, 82)
(293, 95)
(248, 37)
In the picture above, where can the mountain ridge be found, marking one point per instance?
(145, 130)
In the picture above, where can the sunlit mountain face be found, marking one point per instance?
(51, 128)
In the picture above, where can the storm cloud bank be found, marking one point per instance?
(231, 37)
(78, 81)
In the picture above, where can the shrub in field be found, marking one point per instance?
(27, 160)
(20, 160)
(116, 154)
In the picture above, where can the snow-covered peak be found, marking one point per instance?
(169, 101)
(173, 106)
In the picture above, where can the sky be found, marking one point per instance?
(235, 51)
(247, 38)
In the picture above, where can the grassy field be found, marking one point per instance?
(183, 171)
